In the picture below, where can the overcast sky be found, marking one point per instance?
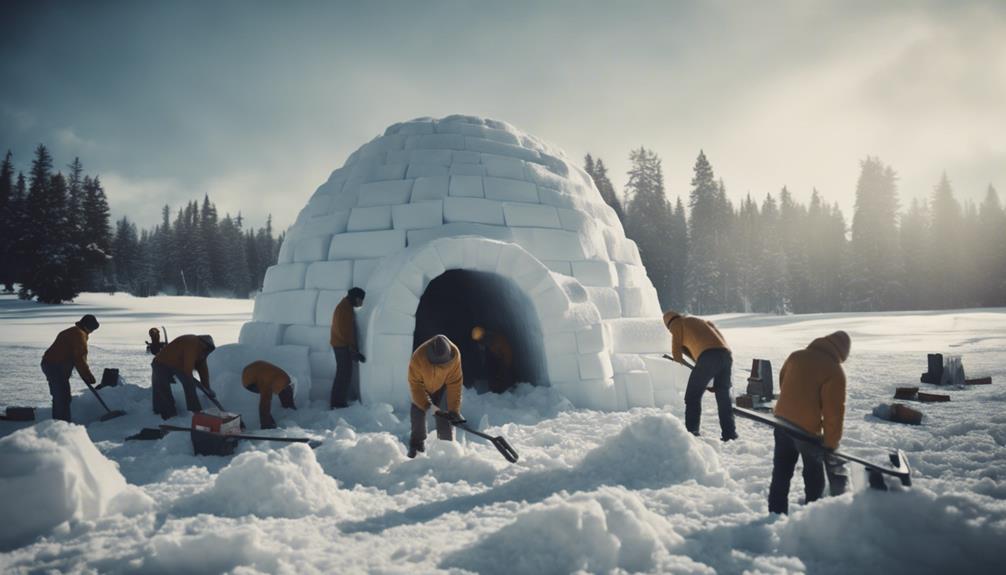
(256, 102)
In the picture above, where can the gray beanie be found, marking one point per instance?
(439, 350)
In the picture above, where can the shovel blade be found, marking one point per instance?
(508, 452)
(112, 415)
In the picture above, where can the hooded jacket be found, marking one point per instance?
(426, 378)
(185, 354)
(692, 336)
(344, 325)
(268, 380)
(70, 347)
(812, 388)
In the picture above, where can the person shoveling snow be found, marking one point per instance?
(67, 352)
(435, 379)
(178, 359)
(266, 379)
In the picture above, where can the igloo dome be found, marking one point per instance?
(453, 222)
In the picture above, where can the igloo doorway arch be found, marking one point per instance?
(560, 310)
(460, 299)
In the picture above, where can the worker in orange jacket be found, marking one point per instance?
(266, 379)
(345, 347)
(435, 378)
(497, 355)
(67, 352)
(700, 340)
(812, 397)
(178, 359)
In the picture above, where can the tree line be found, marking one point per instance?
(57, 240)
(783, 256)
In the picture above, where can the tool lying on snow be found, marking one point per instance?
(913, 394)
(111, 414)
(710, 389)
(899, 462)
(226, 440)
(508, 452)
(19, 414)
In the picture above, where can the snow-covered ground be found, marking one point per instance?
(597, 492)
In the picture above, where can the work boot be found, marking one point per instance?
(416, 448)
(729, 436)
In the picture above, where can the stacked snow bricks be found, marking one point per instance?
(472, 194)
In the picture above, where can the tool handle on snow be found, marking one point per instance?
(306, 440)
(499, 442)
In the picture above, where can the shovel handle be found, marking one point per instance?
(95, 392)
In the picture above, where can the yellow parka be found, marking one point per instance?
(812, 388)
(692, 336)
(426, 378)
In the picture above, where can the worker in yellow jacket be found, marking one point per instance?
(812, 397)
(344, 346)
(266, 379)
(67, 352)
(701, 341)
(435, 378)
(178, 359)
(497, 356)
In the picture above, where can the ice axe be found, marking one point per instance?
(111, 414)
(689, 366)
(499, 442)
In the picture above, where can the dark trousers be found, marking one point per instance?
(343, 377)
(418, 417)
(58, 376)
(715, 365)
(160, 385)
(787, 451)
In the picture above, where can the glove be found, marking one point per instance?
(90, 379)
(361, 358)
(455, 417)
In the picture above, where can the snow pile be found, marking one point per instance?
(51, 474)
(195, 546)
(593, 532)
(899, 532)
(653, 451)
(286, 482)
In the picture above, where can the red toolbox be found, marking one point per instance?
(216, 421)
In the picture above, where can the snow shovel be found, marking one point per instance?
(501, 444)
(710, 389)
(111, 414)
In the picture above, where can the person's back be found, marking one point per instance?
(182, 353)
(266, 379)
(702, 341)
(812, 388)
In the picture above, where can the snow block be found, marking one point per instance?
(284, 277)
(638, 390)
(418, 215)
(261, 333)
(668, 381)
(477, 170)
(362, 270)
(591, 340)
(465, 157)
(399, 298)
(285, 251)
(559, 267)
(632, 276)
(428, 261)
(620, 248)
(571, 220)
(560, 344)
(596, 394)
(595, 273)
(594, 366)
(322, 366)
(503, 167)
(499, 148)
(424, 170)
(640, 302)
(389, 321)
(639, 335)
(385, 193)
(506, 190)
(330, 275)
(318, 205)
(334, 223)
(432, 188)
(531, 216)
(418, 156)
(499, 233)
(563, 368)
(52, 473)
(487, 256)
(228, 361)
(606, 300)
(357, 245)
(467, 186)
(474, 210)
(437, 142)
(327, 300)
(410, 128)
(626, 362)
(373, 218)
(549, 244)
(311, 249)
(286, 307)
(314, 337)
(379, 172)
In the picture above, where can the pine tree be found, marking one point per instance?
(796, 273)
(749, 253)
(677, 248)
(770, 285)
(98, 233)
(914, 236)
(599, 173)
(875, 238)
(991, 250)
(647, 215)
(704, 269)
(945, 247)
(8, 215)
(49, 276)
(215, 250)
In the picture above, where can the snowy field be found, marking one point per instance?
(594, 492)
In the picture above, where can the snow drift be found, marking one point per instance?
(52, 474)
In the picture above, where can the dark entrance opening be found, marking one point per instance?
(458, 300)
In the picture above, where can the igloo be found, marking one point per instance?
(448, 222)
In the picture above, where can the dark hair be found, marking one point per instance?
(88, 322)
(357, 293)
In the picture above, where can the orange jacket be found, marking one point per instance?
(812, 389)
(692, 336)
(500, 348)
(426, 378)
(267, 378)
(70, 346)
(344, 325)
(186, 353)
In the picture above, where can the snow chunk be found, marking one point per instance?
(52, 473)
(286, 482)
